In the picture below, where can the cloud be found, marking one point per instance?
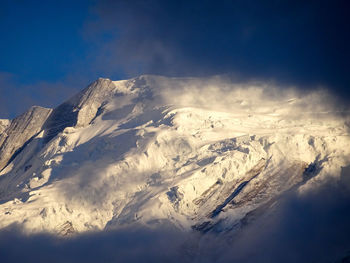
(305, 44)
(312, 227)
(128, 245)
(16, 97)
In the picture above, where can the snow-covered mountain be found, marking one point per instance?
(204, 155)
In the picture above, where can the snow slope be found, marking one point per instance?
(202, 154)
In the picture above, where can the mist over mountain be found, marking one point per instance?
(164, 169)
(54, 49)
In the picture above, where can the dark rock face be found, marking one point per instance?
(80, 109)
(61, 117)
(20, 131)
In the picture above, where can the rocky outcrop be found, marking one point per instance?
(80, 109)
(20, 131)
(4, 124)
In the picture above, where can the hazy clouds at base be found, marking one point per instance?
(313, 227)
(310, 228)
(129, 245)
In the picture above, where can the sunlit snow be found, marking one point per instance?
(201, 154)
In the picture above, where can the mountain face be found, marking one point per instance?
(19, 131)
(201, 154)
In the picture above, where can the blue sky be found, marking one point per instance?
(51, 49)
(41, 40)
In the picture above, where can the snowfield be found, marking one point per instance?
(201, 154)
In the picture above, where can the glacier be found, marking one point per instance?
(203, 155)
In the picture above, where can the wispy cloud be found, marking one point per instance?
(293, 43)
(17, 97)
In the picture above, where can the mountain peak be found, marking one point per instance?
(201, 156)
